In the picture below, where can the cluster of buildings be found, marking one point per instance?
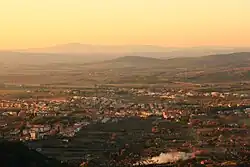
(216, 119)
(75, 107)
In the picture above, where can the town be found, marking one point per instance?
(129, 124)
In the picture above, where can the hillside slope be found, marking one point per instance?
(212, 68)
(211, 61)
(15, 154)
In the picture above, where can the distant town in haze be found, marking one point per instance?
(144, 84)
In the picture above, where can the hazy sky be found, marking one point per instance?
(38, 23)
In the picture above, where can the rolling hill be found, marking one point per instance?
(127, 62)
(211, 61)
(213, 68)
(233, 60)
(85, 53)
(131, 69)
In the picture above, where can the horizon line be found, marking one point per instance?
(120, 45)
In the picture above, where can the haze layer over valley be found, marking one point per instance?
(78, 65)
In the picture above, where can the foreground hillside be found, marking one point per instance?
(15, 154)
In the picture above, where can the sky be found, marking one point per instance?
(178, 23)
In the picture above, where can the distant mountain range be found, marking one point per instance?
(135, 50)
(84, 53)
(77, 48)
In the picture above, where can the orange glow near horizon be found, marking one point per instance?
(39, 23)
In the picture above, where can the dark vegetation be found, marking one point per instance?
(16, 154)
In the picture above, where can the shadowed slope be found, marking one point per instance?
(15, 154)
